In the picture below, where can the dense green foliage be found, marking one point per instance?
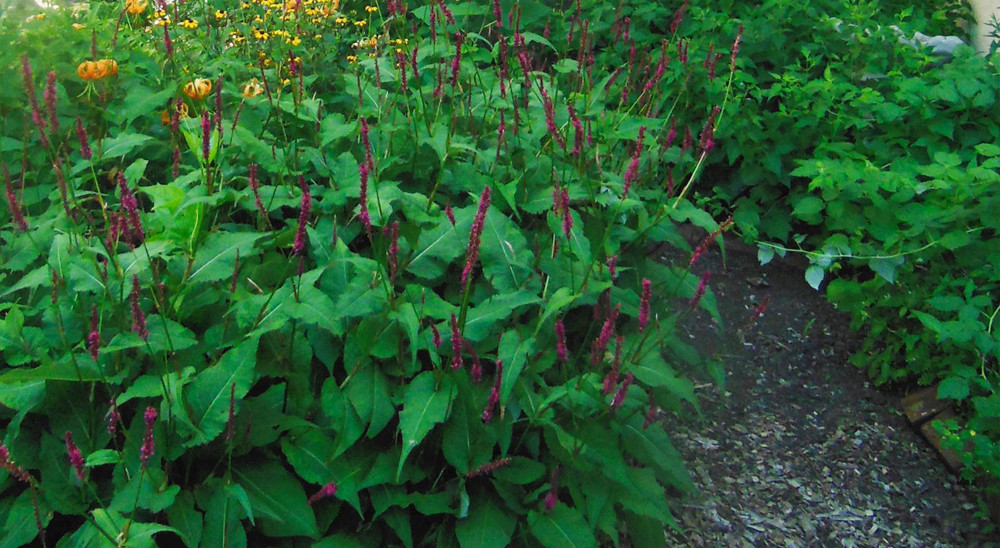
(880, 162)
(272, 306)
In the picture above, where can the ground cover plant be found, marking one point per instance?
(330, 273)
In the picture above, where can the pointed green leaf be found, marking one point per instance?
(488, 524)
(423, 407)
(277, 499)
(562, 527)
(208, 394)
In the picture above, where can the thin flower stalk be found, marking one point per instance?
(489, 468)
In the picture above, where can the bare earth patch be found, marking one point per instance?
(802, 450)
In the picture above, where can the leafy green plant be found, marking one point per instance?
(878, 162)
(271, 277)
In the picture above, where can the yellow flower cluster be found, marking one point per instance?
(96, 70)
(198, 89)
(189, 24)
(252, 89)
(165, 116)
(136, 7)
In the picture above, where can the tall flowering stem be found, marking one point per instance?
(456, 62)
(36, 112)
(131, 207)
(393, 251)
(475, 235)
(255, 187)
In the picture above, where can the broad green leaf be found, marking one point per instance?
(22, 395)
(814, 276)
(560, 299)
(309, 453)
(122, 144)
(222, 527)
(142, 101)
(561, 527)
(277, 499)
(341, 415)
(953, 388)
(216, 256)
(653, 371)
(504, 253)
(103, 456)
(64, 370)
(186, 520)
(489, 524)
(208, 394)
(424, 405)
(368, 391)
(19, 526)
(439, 247)
(886, 267)
(488, 317)
(140, 535)
(652, 445)
(514, 351)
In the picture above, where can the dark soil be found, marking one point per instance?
(802, 450)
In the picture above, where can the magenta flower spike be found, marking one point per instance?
(326, 491)
(149, 417)
(75, 457)
(94, 337)
(300, 232)
(456, 61)
(12, 202)
(700, 292)
(620, 395)
(475, 235)
(647, 293)
(561, 351)
(456, 344)
(138, 318)
(494, 394)
(553, 495)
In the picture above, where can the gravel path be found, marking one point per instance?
(802, 450)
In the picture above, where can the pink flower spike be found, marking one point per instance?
(50, 101)
(75, 457)
(449, 213)
(138, 318)
(149, 417)
(620, 395)
(475, 234)
(456, 62)
(94, 337)
(647, 293)
(366, 220)
(12, 202)
(300, 233)
(113, 417)
(561, 351)
(494, 394)
(206, 136)
(456, 344)
(326, 491)
(702, 285)
(553, 496)
(435, 336)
